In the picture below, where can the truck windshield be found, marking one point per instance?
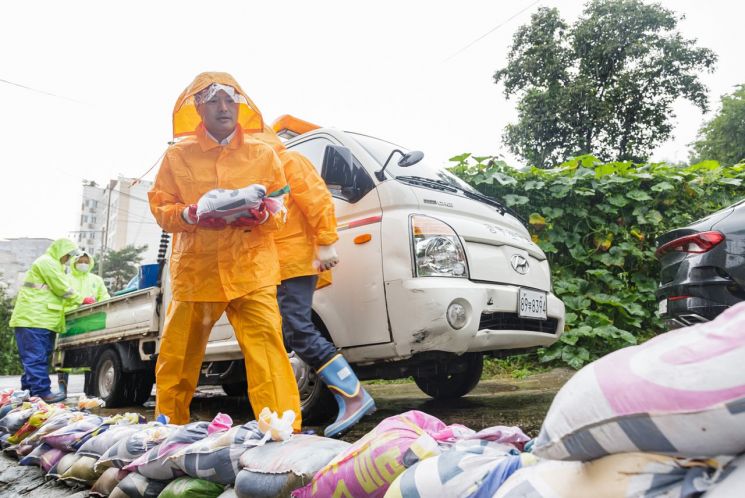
(424, 174)
(380, 150)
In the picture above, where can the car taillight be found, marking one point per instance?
(697, 243)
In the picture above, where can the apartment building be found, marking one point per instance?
(124, 202)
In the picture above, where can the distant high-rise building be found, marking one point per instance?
(92, 218)
(130, 222)
(130, 219)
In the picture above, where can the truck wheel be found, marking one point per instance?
(110, 383)
(106, 379)
(317, 404)
(454, 385)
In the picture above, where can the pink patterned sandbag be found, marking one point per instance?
(681, 393)
(369, 466)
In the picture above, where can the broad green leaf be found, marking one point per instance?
(515, 200)
(638, 195)
(662, 186)
(618, 200)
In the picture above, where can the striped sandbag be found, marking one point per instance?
(681, 393)
(454, 473)
(616, 476)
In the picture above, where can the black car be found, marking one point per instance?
(703, 267)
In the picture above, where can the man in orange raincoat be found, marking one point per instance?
(218, 267)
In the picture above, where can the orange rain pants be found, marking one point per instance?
(256, 321)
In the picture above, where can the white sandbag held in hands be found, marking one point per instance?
(230, 204)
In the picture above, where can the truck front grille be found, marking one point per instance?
(510, 321)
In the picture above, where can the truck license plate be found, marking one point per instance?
(531, 304)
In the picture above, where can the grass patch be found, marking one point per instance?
(517, 367)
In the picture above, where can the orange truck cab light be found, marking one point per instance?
(288, 127)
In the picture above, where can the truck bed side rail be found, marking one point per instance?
(129, 316)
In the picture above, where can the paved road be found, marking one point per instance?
(75, 382)
(501, 401)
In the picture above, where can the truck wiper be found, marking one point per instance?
(429, 182)
(443, 185)
(486, 200)
(493, 202)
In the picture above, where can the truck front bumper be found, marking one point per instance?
(417, 312)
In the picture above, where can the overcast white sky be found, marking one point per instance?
(379, 67)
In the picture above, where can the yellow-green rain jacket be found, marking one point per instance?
(47, 291)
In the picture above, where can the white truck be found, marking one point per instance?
(433, 275)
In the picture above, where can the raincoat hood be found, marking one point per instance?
(60, 247)
(186, 119)
(77, 272)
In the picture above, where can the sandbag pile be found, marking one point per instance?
(126, 457)
(663, 419)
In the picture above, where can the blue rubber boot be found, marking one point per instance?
(55, 397)
(354, 402)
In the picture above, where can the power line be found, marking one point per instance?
(137, 180)
(141, 199)
(42, 91)
(491, 31)
(134, 216)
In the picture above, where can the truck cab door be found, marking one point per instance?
(353, 307)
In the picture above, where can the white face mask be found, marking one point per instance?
(82, 267)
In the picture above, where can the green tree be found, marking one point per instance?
(604, 85)
(723, 138)
(120, 266)
(10, 363)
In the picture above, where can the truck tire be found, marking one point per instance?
(454, 385)
(117, 388)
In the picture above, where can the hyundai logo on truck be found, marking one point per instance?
(520, 264)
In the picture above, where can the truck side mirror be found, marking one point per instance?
(407, 159)
(343, 174)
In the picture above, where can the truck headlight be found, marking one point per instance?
(438, 251)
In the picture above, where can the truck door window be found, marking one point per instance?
(361, 182)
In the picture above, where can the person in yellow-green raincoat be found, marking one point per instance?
(39, 314)
(84, 281)
(217, 267)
